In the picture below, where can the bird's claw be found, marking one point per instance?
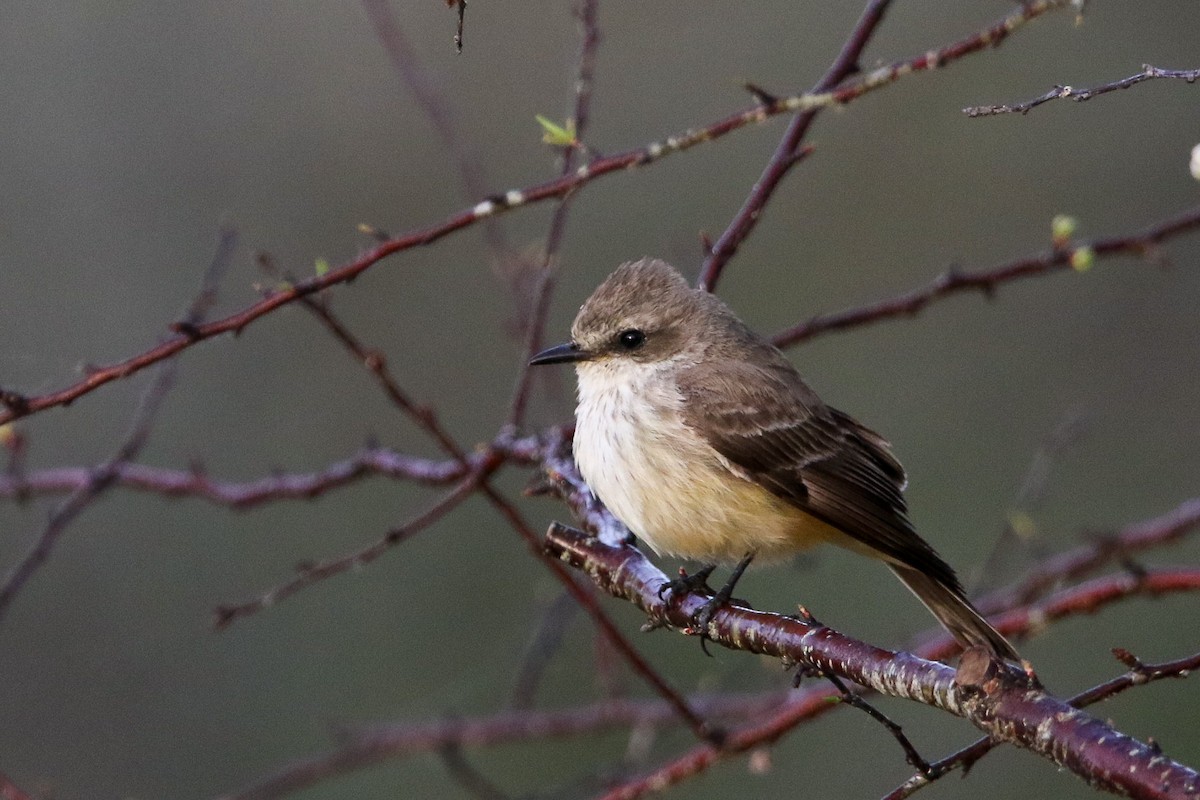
(686, 584)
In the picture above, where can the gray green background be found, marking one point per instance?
(132, 130)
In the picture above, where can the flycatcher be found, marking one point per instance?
(702, 438)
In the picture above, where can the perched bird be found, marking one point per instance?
(703, 439)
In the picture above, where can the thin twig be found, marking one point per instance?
(582, 594)
(1074, 564)
(310, 574)
(586, 12)
(546, 639)
(458, 32)
(376, 364)
(1018, 536)
(855, 700)
(1081, 95)
(1141, 243)
(19, 405)
(467, 776)
(788, 151)
(102, 477)
(373, 745)
(438, 110)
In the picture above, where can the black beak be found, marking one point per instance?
(559, 354)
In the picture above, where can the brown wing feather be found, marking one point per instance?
(772, 428)
(769, 424)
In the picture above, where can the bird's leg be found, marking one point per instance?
(685, 583)
(705, 614)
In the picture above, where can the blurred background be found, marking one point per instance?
(133, 131)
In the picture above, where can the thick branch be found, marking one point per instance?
(1001, 705)
(1138, 675)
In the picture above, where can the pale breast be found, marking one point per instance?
(665, 482)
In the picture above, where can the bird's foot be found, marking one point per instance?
(705, 613)
(686, 584)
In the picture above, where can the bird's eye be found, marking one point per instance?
(631, 339)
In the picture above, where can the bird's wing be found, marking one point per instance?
(775, 431)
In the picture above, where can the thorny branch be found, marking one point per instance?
(812, 703)
(625, 573)
(1080, 95)
(376, 744)
(773, 714)
(1017, 540)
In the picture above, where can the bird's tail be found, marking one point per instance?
(955, 612)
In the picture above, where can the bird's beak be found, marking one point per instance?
(560, 354)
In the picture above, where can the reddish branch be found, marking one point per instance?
(1104, 549)
(624, 572)
(775, 713)
(102, 477)
(1142, 243)
(819, 700)
(1090, 597)
(479, 481)
(286, 486)
(1003, 705)
(436, 107)
(544, 288)
(310, 574)
(10, 791)
(1080, 95)
(789, 152)
(17, 405)
(387, 742)
(1138, 675)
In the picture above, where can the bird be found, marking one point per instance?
(702, 438)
